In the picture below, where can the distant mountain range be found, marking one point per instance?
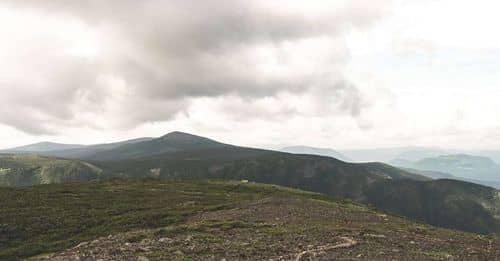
(447, 203)
(388, 154)
(477, 169)
(44, 147)
(315, 151)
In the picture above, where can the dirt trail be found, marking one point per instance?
(348, 242)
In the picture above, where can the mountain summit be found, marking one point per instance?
(172, 142)
(178, 136)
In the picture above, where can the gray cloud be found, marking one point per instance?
(155, 56)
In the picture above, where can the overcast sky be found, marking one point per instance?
(333, 73)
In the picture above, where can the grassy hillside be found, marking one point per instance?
(445, 203)
(197, 219)
(181, 155)
(80, 153)
(374, 183)
(28, 170)
(313, 173)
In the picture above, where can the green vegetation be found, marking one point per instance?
(445, 203)
(28, 170)
(201, 219)
(54, 217)
(457, 205)
(450, 204)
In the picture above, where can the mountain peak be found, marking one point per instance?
(178, 138)
(178, 135)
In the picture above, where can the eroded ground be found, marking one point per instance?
(289, 228)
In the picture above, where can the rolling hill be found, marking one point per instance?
(213, 220)
(446, 203)
(338, 179)
(28, 170)
(182, 155)
(70, 151)
(42, 147)
(169, 143)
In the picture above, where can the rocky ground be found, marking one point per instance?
(277, 228)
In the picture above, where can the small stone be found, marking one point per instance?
(144, 249)
(375, 236)
(142, 258)
(81, 244)
(178, 253)
(412, 242)
(165, 240)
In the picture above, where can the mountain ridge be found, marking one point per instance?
(186, 156)
(301, 149)
(43, 146)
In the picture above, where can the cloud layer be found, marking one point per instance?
(123, 63)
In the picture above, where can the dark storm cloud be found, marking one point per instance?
(167, 52)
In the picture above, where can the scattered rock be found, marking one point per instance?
(165, 240)
(374, 236)
(81, 244)
(144, 249)
(321, 250)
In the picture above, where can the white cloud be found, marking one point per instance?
(341, 73)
